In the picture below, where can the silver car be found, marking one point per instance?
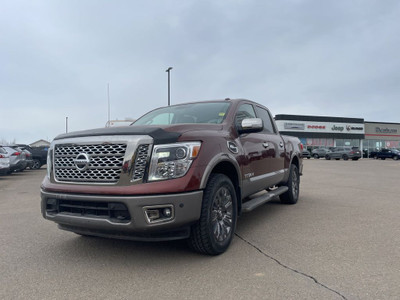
(343, 152)
(4, 162)
(28, 155)
(17, 159)
(319, 152)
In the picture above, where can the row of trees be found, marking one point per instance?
(5, 143)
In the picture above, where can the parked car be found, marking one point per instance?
(388, 153)
(17, 159)
(28, 155)
(4, 162)
(343, 152)
(38, 154)
(306, 154)
(319, 152)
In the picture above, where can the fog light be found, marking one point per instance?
(158, 213)
(167, 212)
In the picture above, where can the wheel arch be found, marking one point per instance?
(227, 165)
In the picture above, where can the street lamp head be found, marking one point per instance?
(169, 69)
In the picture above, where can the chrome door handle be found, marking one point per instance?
(265, 145)
(281, 144)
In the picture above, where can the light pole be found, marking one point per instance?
(169, 85)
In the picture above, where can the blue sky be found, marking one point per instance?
(331, 58)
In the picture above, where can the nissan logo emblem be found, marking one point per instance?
(82, 161)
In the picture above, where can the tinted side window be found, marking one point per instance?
(264, 115)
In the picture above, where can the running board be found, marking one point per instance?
(264, 198)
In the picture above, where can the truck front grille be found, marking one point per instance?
(92, 163)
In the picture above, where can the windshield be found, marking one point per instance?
(196, 113)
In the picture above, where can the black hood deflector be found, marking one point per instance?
(159, 135)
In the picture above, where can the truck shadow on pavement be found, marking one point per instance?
(98, 250)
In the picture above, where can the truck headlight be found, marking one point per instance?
(172, 160)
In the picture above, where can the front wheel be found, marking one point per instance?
(214, 231)
(327, 157)
(395, 157)
(345, 157)
(292, 195)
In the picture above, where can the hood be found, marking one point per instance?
(161, 134)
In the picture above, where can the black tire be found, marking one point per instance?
(316, 156)
(292, 195)
(327, 157)
(383, 158)
(395, 157)
(36, 164)
(345, 157)
(213, 233)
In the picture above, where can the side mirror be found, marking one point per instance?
(251, 125)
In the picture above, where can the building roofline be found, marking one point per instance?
(389, 123)
(318, 118)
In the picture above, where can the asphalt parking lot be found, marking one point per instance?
(341, 241)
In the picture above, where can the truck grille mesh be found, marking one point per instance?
(141, 161)
(105, 162)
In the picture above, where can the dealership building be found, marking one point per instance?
(322, 131)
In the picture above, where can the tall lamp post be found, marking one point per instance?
(169, 85)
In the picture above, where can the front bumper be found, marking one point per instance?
(186, 211)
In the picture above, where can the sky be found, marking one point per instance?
(327, 58)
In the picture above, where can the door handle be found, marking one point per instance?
(265, 145)
(281, 144)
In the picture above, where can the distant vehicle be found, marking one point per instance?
(28, 155)
(17, 159)
(343, 152)
(39, 155)
(319, 152)
(306, 154)
(388, 153)
(4, 162)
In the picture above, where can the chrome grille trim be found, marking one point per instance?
(113, 160)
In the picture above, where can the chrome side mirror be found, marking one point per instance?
(251, 125)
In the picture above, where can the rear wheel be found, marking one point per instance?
(395, 157)
(327, 157)
(345, 157)
(316, 156)
(214, 231)
(292, 195)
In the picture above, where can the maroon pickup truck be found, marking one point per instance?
(180, 172)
